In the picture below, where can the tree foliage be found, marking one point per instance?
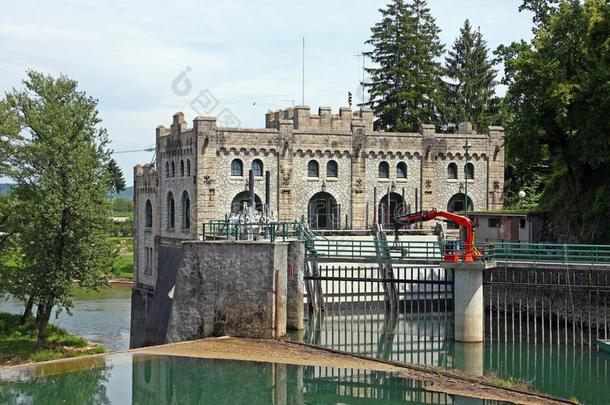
(405, 82)
(470, 92)
(559, 98)
(61, 191)
(116, 181)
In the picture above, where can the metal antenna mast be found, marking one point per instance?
(303, 77)
(363, 71)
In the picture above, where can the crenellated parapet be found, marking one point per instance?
(302, 119)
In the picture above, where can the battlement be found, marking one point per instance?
(302, 119)
(147, 170)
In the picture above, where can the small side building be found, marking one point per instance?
(495, 226)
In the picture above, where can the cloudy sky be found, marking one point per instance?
(146, 60)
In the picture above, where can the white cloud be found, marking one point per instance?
(247, 53)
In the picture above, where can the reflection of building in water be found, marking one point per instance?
(179, 380)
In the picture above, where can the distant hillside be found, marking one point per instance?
(128, 193)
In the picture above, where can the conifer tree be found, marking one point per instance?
(470, 91)
(405, 82)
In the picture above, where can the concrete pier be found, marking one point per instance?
(295, 288)
(468, 357)
(468, 301)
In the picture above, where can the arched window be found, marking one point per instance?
(182, 168)
(469, 171)
(186, 207)
(452, 171)
(188, 167)
(257, 167)
(170, 211)
(313, 169)
(401, 170)
(384, 170)
(332, 169)
(237, 168)
(149, 218)
(173, 169)
(166, 169)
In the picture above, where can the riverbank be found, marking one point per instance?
(18, 343)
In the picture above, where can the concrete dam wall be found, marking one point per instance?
(216, 288)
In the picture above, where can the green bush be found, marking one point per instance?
(122, 229)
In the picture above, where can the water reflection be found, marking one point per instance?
(179, 380)
(564, 371)
(55, 385)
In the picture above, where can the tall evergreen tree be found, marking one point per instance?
(116, 181)
(470, 91)
(405, 82)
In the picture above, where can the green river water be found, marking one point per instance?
(138, 379)
(567, 372)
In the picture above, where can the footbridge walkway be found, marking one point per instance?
(488, 254)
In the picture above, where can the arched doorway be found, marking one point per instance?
(237, 205)
(456, 203)
(323, 212)
(390, 206)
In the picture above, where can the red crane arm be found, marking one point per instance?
(428, 215)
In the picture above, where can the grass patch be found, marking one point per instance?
(125, 265)
(124, 261)
(123, 214)
(18, 342)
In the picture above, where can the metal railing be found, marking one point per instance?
(215, 230)
(458, 252)
(547, 253)
(359, 249)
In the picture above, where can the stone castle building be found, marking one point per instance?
(332, 171)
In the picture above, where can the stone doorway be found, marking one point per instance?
(323, 212)
(391, 205)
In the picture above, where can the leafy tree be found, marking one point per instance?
(405, 86)
(542, 10)
(9, 132)
(62, 187)
(559, 98)
(116, 181)
(470, 92)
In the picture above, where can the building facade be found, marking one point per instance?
(331, 170)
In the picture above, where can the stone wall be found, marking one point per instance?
(447, 188)
(305, 187)
(392, 183)
(145, 192)
(233, 185)
(229, 288)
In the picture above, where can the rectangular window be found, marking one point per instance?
(522, 223)
(493, 222)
